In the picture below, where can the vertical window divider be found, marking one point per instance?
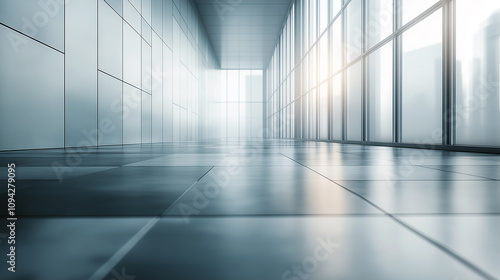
(329, 96)
(445, 89)
(344, 76)
(397, 74)
(453, 51)
(317, 77)
(448, 72)
(364, 74)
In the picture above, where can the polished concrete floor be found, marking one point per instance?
(285, 210)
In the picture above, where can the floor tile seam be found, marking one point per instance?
(102, 271)
(456, 172)
(454, 255)
(259, 215)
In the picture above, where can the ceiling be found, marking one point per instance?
(243, 32)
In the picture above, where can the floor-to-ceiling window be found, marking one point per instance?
(478, 72)
(387, 71)
(240, 104)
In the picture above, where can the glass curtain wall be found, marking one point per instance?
(478, 72)
(387, 71)
(240, 104)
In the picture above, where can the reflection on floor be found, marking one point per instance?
(255, 210)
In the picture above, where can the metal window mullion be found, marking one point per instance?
(448, 73)
(344, 76)
(397, 75)
(444, 76)
(317, 38)
(453, 71)
(364, 70)
(329, 82)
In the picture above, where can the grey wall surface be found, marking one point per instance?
(103, 72)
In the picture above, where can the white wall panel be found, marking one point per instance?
(131, 114)
(31, 96)
(110, 110)
(109, 40)
(81, 72)
(42, 20)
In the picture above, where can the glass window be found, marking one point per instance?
(256, 120)
(337, 105)
(380, 23)
(335, 6)
(245, 85)
(323, 58)
(297, 119)
(183, 125)
(313, 21)
(422, 81)
(323, 15)
(478, 72)
(354, 36)
(222, 109)
(298, 80)
(312, 68)
(380, 94)
(323, 111)
(244, 113)
(305, 76)
(305, 117)
(305, 26)
(354, 90)
(222, 96)
(312, 114)
(413, 8)
(233, 85)
(336, 45)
